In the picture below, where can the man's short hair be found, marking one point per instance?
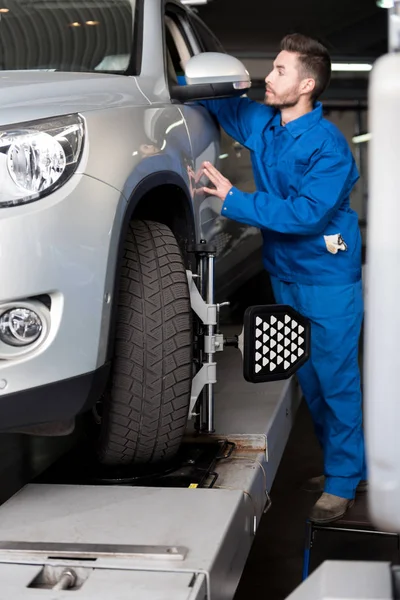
(314, 60)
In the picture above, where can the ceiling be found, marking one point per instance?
(349, 28)
(352, 30)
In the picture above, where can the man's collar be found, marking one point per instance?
(302, 124)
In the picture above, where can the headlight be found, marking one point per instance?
(37, 158)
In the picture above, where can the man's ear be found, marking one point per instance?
(307, 86)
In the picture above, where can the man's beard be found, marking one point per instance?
(281, 103)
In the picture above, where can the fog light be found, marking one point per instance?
(20, 327)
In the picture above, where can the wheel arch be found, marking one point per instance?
(161, 197)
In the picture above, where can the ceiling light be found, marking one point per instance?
(4, 10)
(361, 139)
(351, 67)
(75, 24)
(194, 2)
(385, 3)
(92, 23)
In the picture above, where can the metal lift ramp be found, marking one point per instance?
(152, 543)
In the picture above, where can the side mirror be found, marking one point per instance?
(212, 75)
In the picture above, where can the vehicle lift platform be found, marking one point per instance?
(152, 543)
(184, 533)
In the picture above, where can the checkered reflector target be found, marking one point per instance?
(276, 343)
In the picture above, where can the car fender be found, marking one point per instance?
(139, 207)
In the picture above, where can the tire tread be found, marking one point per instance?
(146, 414)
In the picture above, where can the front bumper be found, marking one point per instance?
(62, 246)
(58, 401)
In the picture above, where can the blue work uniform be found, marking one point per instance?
(304, 174)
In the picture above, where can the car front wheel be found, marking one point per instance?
(144, 412)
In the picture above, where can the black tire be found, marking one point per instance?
(144, 415)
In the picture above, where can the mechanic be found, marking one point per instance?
(304, 173)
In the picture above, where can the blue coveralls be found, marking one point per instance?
(304, 173)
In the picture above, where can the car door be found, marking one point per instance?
(237, 244)
(203, 132)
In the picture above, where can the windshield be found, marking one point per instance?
(66, 35)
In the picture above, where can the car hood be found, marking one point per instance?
(31, 95)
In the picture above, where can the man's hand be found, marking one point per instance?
(222, 184)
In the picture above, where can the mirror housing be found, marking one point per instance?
(212, 75)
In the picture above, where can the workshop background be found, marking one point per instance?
(355, 32)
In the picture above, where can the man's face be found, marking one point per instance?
(283, 84)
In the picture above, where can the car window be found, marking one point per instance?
(208, 41)
(72, 35)
(179, 50)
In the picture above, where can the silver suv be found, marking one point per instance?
(101, 144)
